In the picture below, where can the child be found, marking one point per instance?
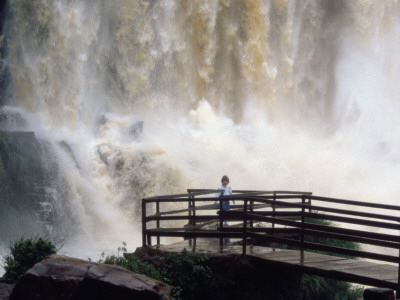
(227, 191)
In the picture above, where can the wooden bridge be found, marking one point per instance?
(297, 230)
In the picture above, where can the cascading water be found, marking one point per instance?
(295, 95)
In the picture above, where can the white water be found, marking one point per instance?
(293, 95)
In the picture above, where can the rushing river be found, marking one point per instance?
(278, 94)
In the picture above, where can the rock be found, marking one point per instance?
(67, 148)
(25, 185)
(136, 129)
(62, 277)
(149, 255)
(378, 294)
(5, 290)
(11, 120)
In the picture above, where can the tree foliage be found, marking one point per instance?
(24, 254)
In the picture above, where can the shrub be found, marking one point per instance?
(132, 263)
(319, 288)
(24, 253)
(191, 275)
(316, 287)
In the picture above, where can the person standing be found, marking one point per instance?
(227, 191)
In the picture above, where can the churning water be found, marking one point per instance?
(278, 94)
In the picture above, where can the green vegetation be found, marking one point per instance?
(189, 273)
(320, 288)
(194, 276)
(132, 263)
(329, 241)
(24, 253)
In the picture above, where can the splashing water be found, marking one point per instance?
(295, 95)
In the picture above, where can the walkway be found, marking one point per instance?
(351, 270)
(293, 220)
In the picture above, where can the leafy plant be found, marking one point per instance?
(191, 275)
(329, 241)
(24, 253)
(132, 263)
(319, 288)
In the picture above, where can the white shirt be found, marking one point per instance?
(227, 189)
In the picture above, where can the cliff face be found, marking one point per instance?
(22, 185)
(23, 176)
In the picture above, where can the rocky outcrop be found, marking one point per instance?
(23, 173)
(62, 277)
(5, 290)
(24, 178)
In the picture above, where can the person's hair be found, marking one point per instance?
(224, 178)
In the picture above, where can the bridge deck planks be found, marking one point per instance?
(352, 270)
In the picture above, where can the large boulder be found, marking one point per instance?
(62, 277)
(5, 290)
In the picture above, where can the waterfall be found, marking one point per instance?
(278, 94)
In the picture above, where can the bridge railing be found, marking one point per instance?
(197, 201)
(277, 218)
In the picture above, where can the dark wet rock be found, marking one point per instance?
(23, 190)
(67, 148)
(149, 255)
(102, 156)
(378, 294)
(102, 120)
(5, 290)
(11, 120)
(62, 277)
(26, 173)
(136, 130)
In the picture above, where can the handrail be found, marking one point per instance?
(279, 211)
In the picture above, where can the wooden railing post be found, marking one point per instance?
(251, 211)
(194, 218)
(190, 210)
(303, 201)
(221, 225)
(190, 216)
(144, 221)
(244, 227)
(158, 221)
(273, 210)
(398, 274)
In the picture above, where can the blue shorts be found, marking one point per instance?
(225, 205)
